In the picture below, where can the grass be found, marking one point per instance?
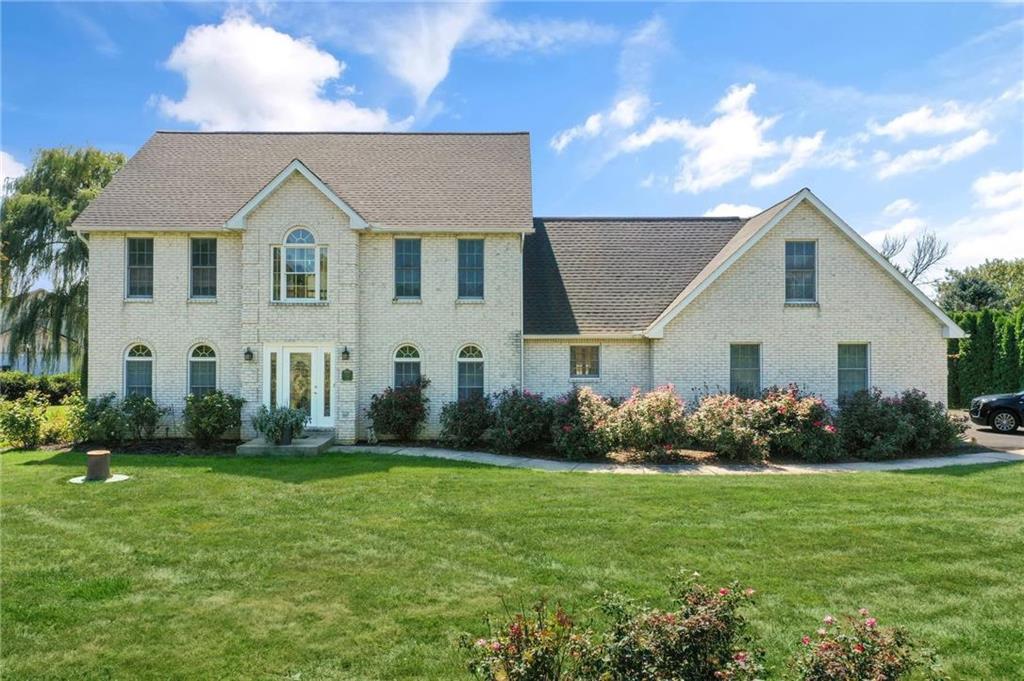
(362, 567)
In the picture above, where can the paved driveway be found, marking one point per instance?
(990, 439)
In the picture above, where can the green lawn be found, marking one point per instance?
(354, 567)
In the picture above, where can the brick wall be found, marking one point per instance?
(624, 364)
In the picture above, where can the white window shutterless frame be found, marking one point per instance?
(300, 376)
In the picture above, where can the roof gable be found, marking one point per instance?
(237, 221)
(761, 224)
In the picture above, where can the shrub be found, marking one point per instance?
(704, 636)
(727, 425)
(14, 384)
(875, 427)
(649, 421)
(274, 423)
(209, 416)
(521, 418)
(21, 420)
(579, 428)
(142, 415)
(543, 645)
(464, 423)
(104, 421)
(797, 425)
(859, 649)
(59, 386)
(74, 416)
(400, 412)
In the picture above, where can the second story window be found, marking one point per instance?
(299, 269)
(203, 274)
(407, 268)
(140, 268)
(801, 272)
(471, 268)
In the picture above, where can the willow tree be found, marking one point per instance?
(37, 249)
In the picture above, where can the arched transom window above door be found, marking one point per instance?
(298, 269)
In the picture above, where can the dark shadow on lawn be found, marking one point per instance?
(960, 471)
(290, 469)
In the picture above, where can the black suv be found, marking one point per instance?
(1003, 413)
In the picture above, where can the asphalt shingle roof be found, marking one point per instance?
(613, 275)
(196, 181)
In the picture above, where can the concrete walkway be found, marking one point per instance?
(683, 468)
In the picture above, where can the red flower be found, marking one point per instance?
(723, 591)
(806, 640)
(858, 648)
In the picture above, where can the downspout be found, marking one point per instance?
(522, 312)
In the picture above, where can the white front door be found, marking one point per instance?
(300, 377)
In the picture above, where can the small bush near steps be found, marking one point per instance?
(208, 417)
(400, 412)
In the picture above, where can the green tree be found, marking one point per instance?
(1006, 276)
(977, 354)
(1006, 365)
(36, 244)
(969, 293)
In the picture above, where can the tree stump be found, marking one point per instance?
(97, 464)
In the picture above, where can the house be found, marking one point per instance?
(34, 360)
(315, 269)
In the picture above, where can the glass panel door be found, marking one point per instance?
(300, 377)
(300, 381)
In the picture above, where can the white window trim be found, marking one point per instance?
(127, 295)
(216, 365)
(870, 359)
(316, 247)
(395, 360)
(216, 271)
(801, 301)
(600, 362)
(459, 360)
(760, 362)
(124, 368)
(394, 271)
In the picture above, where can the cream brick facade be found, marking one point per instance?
(858, 302)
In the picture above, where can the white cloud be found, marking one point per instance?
(624, 113)
(899, 207)
(932, 157)
(905, 227)
(728, 147)
(953, 117)
(503, 37)
(743, 210)
(10, 169)
(243, 76)
(1000, 190)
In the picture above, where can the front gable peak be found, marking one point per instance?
(237, 221)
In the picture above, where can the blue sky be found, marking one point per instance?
(902, 117)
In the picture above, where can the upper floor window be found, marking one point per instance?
(140, 268)
(407, 366)
(203, 273)
(471, 373)
(584, 361)
(745, 369)
(407, 268)
(202, 370)
(138, 371)
(853, 368)
(471, 268)
(801, 272)
(303, 275)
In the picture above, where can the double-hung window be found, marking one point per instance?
(203, 272)
(407, 268)
(202, 370)
(745, 369)
(584, 361)
(140, 268)
(407, 367)
(471, 373)
(853, 368)
(138, 371)
(471, 268)
(801, 272)
(299, 269)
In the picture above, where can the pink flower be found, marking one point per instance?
(858, 648)
(830, 428)
(723, 592)
(496, 646)
(481, 642)
(566, 428)
(806, 640)
(740, 657)
(822, 632)
(749, 592)
(863, 612)
(818, 424)
(829, 620)
(870, 622)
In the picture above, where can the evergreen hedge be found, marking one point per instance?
(991, 360)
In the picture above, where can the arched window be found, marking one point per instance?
(303, 276)
(471, 373)
(138, 371)
(407, 366)
(202, 370)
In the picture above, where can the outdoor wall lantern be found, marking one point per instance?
(345, 354)
(248, 355)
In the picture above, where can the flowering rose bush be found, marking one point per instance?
(856, 649)
(400, 412)
(653, 421)
(580, 425)
(542, 645)
(728, 425)
(464, 423)
(520, 418)
(875, 427)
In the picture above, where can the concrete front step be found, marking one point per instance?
(312, 442)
